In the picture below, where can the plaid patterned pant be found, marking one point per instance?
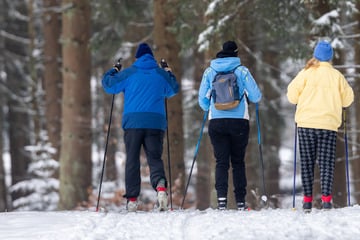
(320, 145)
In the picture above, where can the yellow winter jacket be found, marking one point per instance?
(320, 94)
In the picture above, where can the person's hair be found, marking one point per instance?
(313, 62)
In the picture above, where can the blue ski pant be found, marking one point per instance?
(229, 137)
(152, 142)
(317, 145)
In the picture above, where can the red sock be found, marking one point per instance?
(308, 199)
(326, 198)
(161, 189)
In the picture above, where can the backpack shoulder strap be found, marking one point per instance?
(244, 93)
(236, 68)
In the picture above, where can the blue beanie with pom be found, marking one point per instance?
(323, 51)
(143, 49)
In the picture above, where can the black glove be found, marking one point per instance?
(164, 65)
(118, 65)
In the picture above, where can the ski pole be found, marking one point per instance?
(263, 197)
(295, 144)
(118, 67)
(346, 157)
(164, 65)
(195, 155)
(106, 145)
(168, 151)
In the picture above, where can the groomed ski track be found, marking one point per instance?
(185, 224)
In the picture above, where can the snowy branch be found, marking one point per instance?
(251, 53)
(14, 37)
(139, 24)
(55, 9)
(346, 66)
(326, 18)
(350, 36)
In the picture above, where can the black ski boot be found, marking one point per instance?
(242, 206)
(307, 207)
(222, 203)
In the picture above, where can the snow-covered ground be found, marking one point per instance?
(183, 224)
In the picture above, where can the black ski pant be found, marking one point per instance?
(152, 142)
(229, 137)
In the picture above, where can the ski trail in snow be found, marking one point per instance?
(319, 222)
(177, 221)
(101, 226)
(182, 225)
(210, 224)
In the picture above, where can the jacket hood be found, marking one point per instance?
(146, 61)
(225, 64)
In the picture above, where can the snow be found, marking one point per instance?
(212, 7)
(203, 41)
(326, 18)
(342, 223)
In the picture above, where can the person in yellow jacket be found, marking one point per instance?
(320, 93)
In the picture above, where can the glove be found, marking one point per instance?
(118, 65)
(164, 65)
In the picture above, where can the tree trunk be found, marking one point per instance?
(270, 128)
(75, 156)
(17, 83)
(52, 73)
(3, 192)
(339, 189)
(252, 153)
(205, 155)
(111, 174)
(355, 115)
(168, 48)
(35, 84)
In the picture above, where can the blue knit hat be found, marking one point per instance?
(323, 51)
(143, 49)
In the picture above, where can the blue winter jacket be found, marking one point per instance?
(246, 85)
(145, 86)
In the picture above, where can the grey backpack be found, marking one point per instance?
(225, 90)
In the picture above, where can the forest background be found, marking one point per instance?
(54, 114)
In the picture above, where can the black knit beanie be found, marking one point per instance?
(229, 49)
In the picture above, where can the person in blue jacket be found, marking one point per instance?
(145, 86)
(229, 129)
